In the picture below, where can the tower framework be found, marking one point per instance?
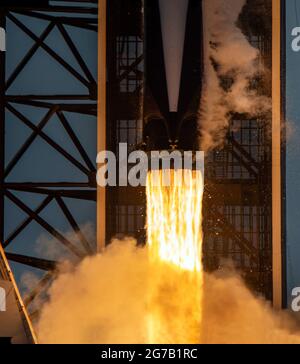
(48, 98)
(238, 196)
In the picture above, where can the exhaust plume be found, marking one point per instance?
(230, 66)
(104, 300)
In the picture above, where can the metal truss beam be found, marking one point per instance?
(39, 263)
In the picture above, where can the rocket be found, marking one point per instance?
(173, 74)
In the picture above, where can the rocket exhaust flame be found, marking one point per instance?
(174, 219)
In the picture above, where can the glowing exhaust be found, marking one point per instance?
(174, 228)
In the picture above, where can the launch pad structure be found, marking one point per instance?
(125, 102)
(55, 87)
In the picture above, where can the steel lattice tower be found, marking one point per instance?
(35, 108)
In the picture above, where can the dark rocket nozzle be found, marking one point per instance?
(173, 68)
(162, 134)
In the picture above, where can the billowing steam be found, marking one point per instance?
(104, 300)
(230, 66)
(101, 301)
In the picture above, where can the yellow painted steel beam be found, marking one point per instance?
(8, 275)
(276, 157)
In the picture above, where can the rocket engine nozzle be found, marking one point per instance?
(171, 134)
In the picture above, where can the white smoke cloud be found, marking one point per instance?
(234, 315)
(105, 300)
(102, 300)
(50, 248)
(227, 55)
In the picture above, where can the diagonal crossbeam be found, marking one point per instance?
(243, 243)
(76, 53)
(243, 152)
(50, 51)
(27, 221)
(246, 165)
(29, 56)
(76, 141)
(71, 247)
(74, 225)
(37, 131)
(39, 288)
(29, 141)
(131, 68)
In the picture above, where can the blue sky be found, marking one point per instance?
(41, 163)
(293, 149)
